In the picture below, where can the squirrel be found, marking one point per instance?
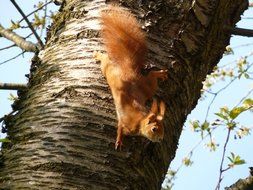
(122, 67)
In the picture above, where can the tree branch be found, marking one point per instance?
(14, 45)
(18, 40)
(222, 160)
(28, 22)
(7, 115)
(240, 31)
(12, 86)
(12, 58)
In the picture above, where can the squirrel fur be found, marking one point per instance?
(126, 49)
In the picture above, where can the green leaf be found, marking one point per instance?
(240, 162)
(242, 61)
(12, 97)
(195, 124)
(40, 5)
(171, 172)
(230, 159)
(205, 126)
(38, 21)
(187, 162)
(248, 102)
(235, 160)
(222, 116)
(233, 155)
(212, 145)
(5, 140)
(224, 110)
(231, 125)
(36, 17)
(236, 111)
(246, 75)
(224, 113)
(14, 25)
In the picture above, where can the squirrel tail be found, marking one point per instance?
(123, 38)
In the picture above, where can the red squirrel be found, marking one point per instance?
(126, 49)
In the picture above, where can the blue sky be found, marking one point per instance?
(203, 174)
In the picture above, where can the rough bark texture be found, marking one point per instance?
(62, 135)
(242, 184)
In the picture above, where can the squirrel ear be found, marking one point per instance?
(162, 109)
(154, 108)
(151, 117)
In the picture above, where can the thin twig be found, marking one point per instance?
(226, 169)
(12, 86)
(249, 92)
(243, 45)
(12, 58)
(7, 47)
(31, 13)
(222, 160)
(210, 104)
(45, 14)
(216, 94)
(28, 22)
(2, 118)
(247, 17)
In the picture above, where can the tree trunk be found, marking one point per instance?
(63, 132)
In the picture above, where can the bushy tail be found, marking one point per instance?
(124, 40)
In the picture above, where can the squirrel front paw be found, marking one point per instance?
(163, 74)
(96, 55)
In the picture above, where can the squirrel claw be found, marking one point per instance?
(118, 145)
(164, 74)
(96, 55)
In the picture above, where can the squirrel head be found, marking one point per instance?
(152, 125)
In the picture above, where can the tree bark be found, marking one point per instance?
(63, 133)
(242, 184)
